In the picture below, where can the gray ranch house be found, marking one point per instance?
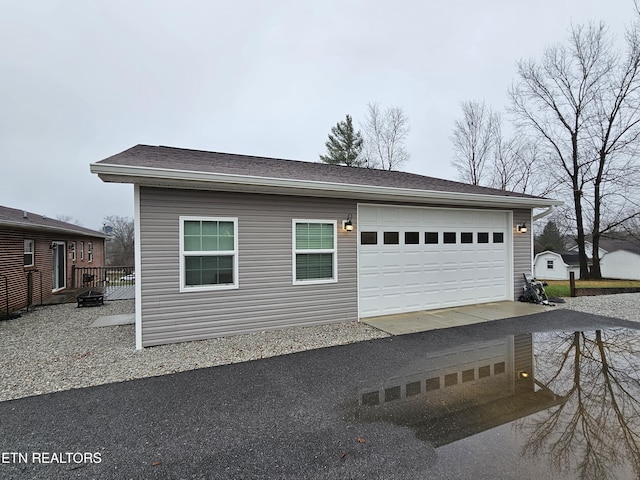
(229, 244)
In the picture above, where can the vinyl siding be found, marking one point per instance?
(266, 297)
(522, 250)
(523, 363)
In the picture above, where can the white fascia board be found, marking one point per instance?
(138, 175)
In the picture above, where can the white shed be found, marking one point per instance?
(549, 265)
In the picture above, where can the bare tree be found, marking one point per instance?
(615, 131)
(385, 135)
(120, 237)
(574, 100)
(474, 138)
(484, 156)
(506, 170)
(595, 427)
(531, 176)
(516, 165)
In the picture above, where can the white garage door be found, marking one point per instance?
(415, 258)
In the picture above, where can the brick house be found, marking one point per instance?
(37, 255)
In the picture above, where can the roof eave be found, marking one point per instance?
(246, 183)
(49, 228)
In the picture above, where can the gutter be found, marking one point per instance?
(548, 211)
(48, 228)
(138, 175)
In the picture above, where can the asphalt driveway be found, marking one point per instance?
(293, 416)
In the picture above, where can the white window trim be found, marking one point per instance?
(90, 252)
(333, 251)
(234, 253)
(82, 251)
(73, 251)
(32, 253)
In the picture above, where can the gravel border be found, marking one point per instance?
(55, 348)
(625, 306)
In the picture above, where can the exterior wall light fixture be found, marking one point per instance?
(347, 224)
(522, 228)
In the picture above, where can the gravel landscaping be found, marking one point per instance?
(623, 305)
(55, 348)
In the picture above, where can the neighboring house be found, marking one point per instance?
(37, 255)
(229, 244)
(589, 249)
(550, 265)
(619, 259)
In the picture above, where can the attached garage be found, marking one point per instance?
(420, 258)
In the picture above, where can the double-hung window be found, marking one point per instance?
(29, 253)
(209, 253)
(314, 251)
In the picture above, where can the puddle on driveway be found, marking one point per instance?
(565, 402)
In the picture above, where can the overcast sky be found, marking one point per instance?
(83, 80)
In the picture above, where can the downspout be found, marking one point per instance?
(548, 211)
(6, 292)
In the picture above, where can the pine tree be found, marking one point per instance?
(344, 145)
(550, 238)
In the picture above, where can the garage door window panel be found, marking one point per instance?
(411, 238)
(466, 237)
(449, 237)
(431, 238)
(209, 251)
(314, 252)
(391, 238)
(368, 238)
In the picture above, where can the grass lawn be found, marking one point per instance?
(560, 288)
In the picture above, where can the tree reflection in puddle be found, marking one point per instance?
(596, 428)
(572, 399)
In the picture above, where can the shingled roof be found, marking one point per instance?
(570, 258)
(615, 244)
(12, 217)
(145, 162)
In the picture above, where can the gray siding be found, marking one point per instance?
(522, 250)
(266, 298)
